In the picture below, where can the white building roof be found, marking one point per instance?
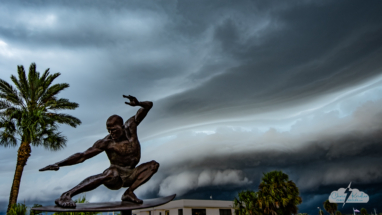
(192, 203)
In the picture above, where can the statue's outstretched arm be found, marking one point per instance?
(76, 158)
(142, 112)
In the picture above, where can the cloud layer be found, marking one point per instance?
(239, 88)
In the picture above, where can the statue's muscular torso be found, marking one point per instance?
(126, 152)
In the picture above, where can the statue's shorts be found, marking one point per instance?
(127, 175)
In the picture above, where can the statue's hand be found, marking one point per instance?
(133, 101)
(54, 167)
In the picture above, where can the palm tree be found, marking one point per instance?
(28, 115)
(278, 195)
(246, 203)
(330, 207)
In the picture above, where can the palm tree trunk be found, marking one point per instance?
(23, 154)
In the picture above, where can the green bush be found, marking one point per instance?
(17, 209)
(33, 212)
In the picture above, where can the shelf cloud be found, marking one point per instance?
(239, 88)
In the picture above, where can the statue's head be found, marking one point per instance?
(114, 126)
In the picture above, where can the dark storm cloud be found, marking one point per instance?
(216, 63)
(304, 52)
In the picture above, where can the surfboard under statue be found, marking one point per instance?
(108, 206)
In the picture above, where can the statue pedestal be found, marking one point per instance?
(124, 207)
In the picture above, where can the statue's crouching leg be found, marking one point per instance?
(88, 184)
(144, 173)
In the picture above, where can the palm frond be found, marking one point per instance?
(22, 83)
(10, 112)
(7, 132)
(65, 119)
(51, 78)
(42, 85)
(8, 93)
(44, 76)
(33, 80)
(12, 98)
(5, 87)
(61, 104)
(52, 91)
(54, 141)
(4, 104)
(48, 81)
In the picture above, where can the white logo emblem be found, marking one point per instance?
(348, 195)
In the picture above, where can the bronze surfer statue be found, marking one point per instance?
(124, 152)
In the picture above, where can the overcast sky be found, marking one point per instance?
(239, 88)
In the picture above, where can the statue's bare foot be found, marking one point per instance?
(131, 197)
(65, 201)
